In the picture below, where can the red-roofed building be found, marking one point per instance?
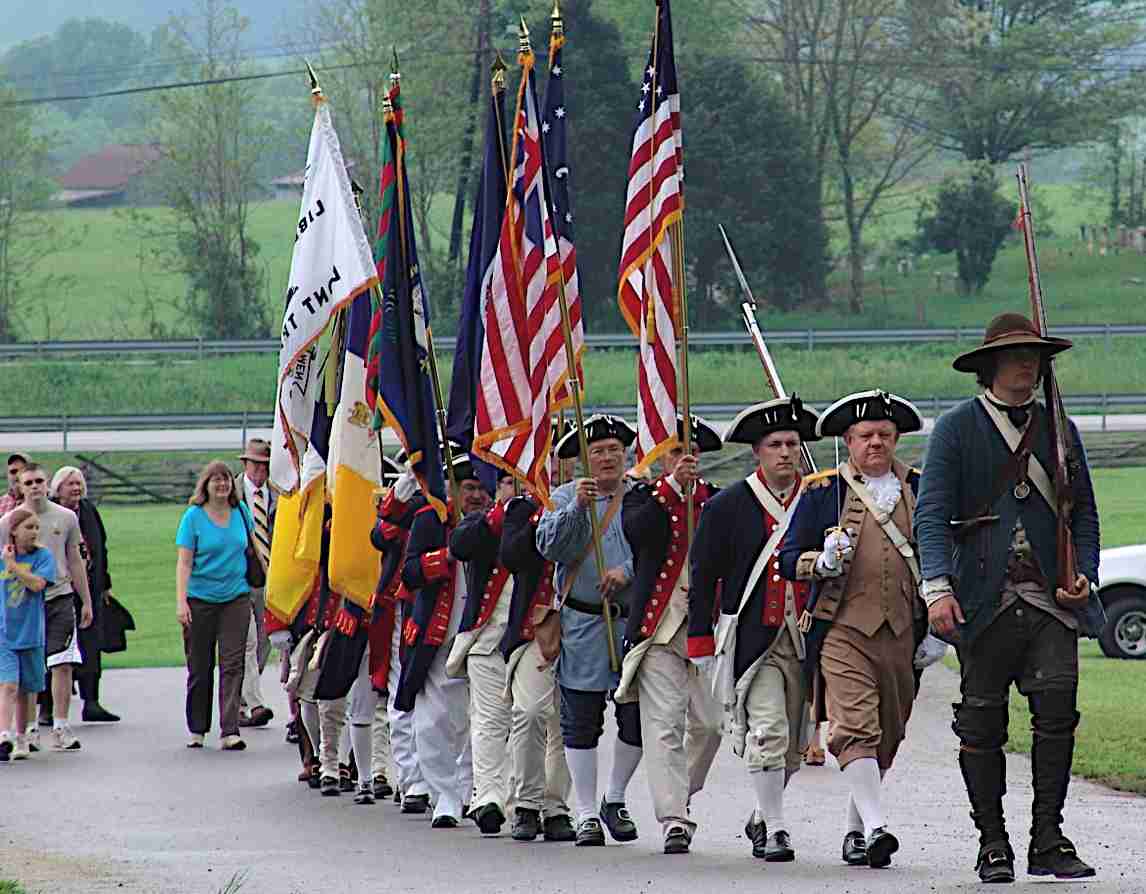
(111, 176)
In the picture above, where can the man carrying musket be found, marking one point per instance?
(757, 644)
(849, 536)
(987, 530)
(678, 711)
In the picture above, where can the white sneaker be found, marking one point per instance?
(20, 752)
(64, 740)
(32, 737)
(196, 740)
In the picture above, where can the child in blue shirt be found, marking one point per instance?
(28, 569)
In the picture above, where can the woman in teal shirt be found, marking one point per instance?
(213, 604)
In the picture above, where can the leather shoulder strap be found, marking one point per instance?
(783, 519)
(573, 570)
(883, 519)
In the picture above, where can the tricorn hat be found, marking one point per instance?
(868, 406)
(258, 451)
(1009, 331)
(597, 428)
(704, 436)
(462, 464)
(782, 414)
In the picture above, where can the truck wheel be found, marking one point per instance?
(1124, 635)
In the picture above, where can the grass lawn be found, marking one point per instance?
(9, 887)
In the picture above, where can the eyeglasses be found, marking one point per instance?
(36, 481)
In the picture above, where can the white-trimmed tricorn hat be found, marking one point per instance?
(868, 406)
(704, 436)
(782, 414)
(598, 427)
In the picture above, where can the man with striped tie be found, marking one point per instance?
(251, 487)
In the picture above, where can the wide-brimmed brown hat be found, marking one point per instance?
(1006, 332)
(258, 451)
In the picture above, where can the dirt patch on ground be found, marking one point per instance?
(43, 872)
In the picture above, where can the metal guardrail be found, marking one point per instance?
(809, 338)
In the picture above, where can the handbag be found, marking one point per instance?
(256, 571)
(547, 631)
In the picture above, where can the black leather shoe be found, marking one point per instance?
(617, 820)
(779, 848)
(94, 712)
(757, 833)
(444, 822)
(314, 780)
(382, 787)
(559, 828)
(489, 819)
(345, 779)
(292, 735)
(330, 787)
(996, 864)
(676, 840)
(855, 849)
(415, 803)
(880, 847)
(364, 795)
(526, 824)
(590, 834)
(1061, 861)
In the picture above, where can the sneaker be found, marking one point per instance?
(617, 820)
(364, 795)
(64, 740)
(20, 750)
(196, 740)
(676, 840)
(233, 743)
(330, 787)
(32, 738)
(559, 828)
(526, 824)
(382, 787)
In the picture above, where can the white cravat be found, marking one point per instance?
(886, 490)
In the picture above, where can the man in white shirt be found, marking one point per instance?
(253, 490)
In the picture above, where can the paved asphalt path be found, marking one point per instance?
(136, 812)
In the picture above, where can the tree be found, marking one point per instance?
(211, 139)
(1008, 74)
(28, 235)
(969, 217)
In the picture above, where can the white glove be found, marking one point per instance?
(932, 649)
(704, 663)
(406, 485)
(837, 546)
(280, 640)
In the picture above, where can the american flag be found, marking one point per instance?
(554, 129)
(653, 207)
(512, 428)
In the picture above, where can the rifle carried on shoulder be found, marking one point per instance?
(1063, 461)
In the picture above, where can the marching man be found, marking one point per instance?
(758, 646)
(849, 535)
(678, 711)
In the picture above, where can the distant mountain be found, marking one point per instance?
(28, 19)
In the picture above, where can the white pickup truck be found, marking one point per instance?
(1122, 578)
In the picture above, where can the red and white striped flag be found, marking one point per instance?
(523, 350)
(647, 292)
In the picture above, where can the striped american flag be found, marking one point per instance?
(653, 209)
(512, 428)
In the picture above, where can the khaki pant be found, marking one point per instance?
(331, 719)
(489, 728)
(541, 775)
(777, 710)
(870, 687)
(680, 728)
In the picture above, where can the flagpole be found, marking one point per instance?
(680, 287)
(439, 404)
(497, 87)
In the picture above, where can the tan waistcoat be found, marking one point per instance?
(879, 586)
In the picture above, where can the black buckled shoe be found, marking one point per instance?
(330, 787)
(996, 864)
(445, 821)
(488, 818)
(676, 840)
(526, 824)
(757, 833)
(617, 820)
(779, 848)
(880, 847)
(314, 779)
(415, 803)
(1060, 860)
(559, 828)
(345, 778)
(590, 833)
(382, 787)
(364, 795)
(855, 849)
(94, 712)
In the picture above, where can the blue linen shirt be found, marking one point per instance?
(219, 555)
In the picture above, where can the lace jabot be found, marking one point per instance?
(886, 490)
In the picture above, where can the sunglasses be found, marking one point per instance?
(36, 481)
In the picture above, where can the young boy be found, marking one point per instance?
(28, 570)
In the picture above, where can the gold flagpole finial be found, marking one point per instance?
(523, 44)
(315, 89)
(395, 69)
(557, 22)
(498, 70)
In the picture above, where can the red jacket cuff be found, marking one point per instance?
(436, 564)
(700, 646)
(495, 518)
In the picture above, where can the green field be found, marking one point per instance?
(114, 284)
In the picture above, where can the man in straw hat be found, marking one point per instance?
(678, 711)
(564, 536)
(757, 645)
(986, 525)
(251, 488)
(849, 536)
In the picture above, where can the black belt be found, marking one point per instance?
(595, 608)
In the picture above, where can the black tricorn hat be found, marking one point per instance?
(869, 406)
(462, 464)
(1009, 331)
(704, 436)
(782, 414)
(597, 428)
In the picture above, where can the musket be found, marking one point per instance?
(748, 313)
(1063, 461)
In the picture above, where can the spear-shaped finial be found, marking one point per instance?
(498, 70)
(523, 44)
(557, 23)
(315, 89)
(395, 68)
